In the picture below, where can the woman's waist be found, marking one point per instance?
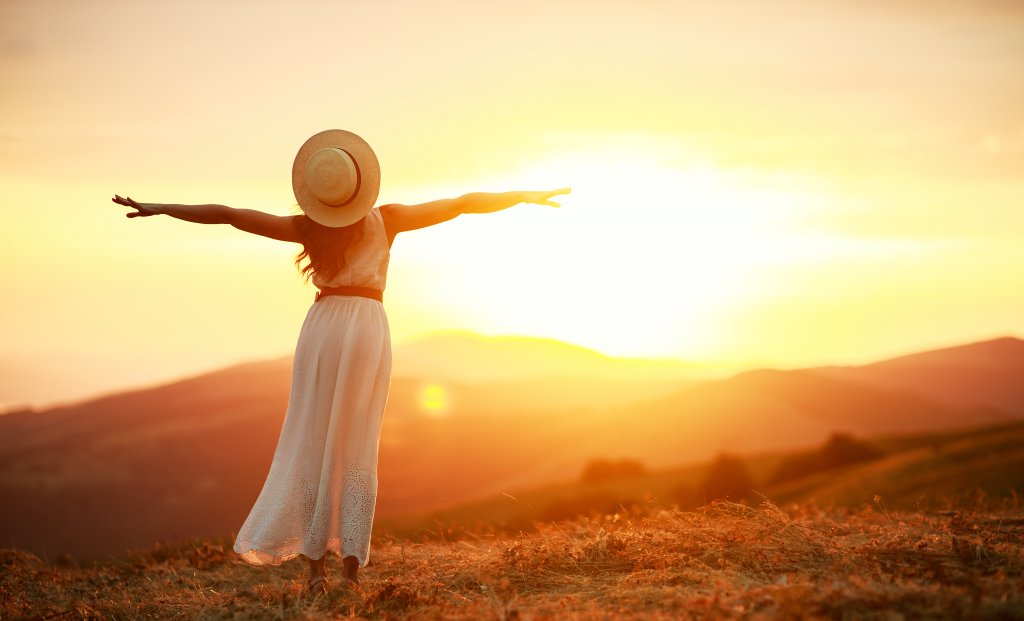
(350, 290)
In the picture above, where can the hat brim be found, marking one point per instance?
(369, 179)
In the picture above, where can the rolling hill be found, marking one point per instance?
(765, 409)
(468, 357)
(919, 471)
(941, 472)
(188, 458)
(989, 373)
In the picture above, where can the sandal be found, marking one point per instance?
(317, 586)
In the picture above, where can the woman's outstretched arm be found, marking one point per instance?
(248, 220)
(398, 218)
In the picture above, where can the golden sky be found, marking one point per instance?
(790, 183)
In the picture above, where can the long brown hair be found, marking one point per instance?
(324, 246)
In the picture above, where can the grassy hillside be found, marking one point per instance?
(725, 561)
(941, 473)
(917, 471)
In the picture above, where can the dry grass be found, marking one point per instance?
(725, 561)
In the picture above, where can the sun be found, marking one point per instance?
(648, 256)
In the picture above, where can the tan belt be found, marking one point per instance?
(363, 292)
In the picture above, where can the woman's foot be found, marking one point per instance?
(350, 570)
(317, 585)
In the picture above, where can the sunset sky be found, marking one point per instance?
(783, 183)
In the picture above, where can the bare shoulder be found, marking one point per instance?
(391, 215)
(399, 218)
(391, 210)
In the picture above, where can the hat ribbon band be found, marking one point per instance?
(359, 178)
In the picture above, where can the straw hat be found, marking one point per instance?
(336, 178)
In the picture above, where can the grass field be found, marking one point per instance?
(723, 561)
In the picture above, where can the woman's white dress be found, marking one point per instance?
(321, 490)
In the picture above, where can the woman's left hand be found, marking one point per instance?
(544, 197)
(143, 209)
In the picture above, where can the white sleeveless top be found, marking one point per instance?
(366, 261)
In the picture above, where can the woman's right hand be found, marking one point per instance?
(544, 197)
(144, 209)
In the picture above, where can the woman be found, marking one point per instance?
(321, 491)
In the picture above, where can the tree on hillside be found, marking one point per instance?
(727, 477)
(841, 449)
(598, 470)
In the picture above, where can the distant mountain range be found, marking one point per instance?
(188, 458)
(986, 373)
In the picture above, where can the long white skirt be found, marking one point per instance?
(321, 491)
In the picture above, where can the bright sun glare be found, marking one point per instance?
(645, 257)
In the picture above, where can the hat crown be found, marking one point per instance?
(332, 176)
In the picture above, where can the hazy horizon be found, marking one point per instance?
(15, 379)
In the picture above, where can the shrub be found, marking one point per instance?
(841, 449)
(727, 477)
(599, 470)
